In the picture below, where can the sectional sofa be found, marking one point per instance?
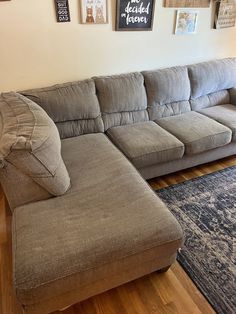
(73, 161)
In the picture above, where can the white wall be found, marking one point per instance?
(36, 51)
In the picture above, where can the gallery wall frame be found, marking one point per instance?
(62, 11)
(186, 22)
(225, 14)
(134, 15)
(187, 3)
(93, 11)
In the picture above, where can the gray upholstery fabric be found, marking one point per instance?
(122, 99)
(124, 118)
(198, 132)
(72, 106)
(30, 142)
(232, 93)
(168, 92)
(188, 161)
(119, 272)
(212, 76)
(225, 114)
(146, 143)
(101, 224)
(218, 98)
(19, 188)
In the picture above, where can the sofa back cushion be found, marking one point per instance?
(72, 106)
(122, 99)
(168, 92)
(221, 97)
(210, 82)
(30, 142)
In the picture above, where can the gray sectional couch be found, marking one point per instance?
(84, 219)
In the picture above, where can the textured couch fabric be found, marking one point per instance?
(109, 218)
(225, 114)
(146, 143)
(168, 92)
(72, 106)
(214, 99)
(232, 93)
(198, 132)
(122, 99)
(30, 142)
(212, 76)
(109, 227)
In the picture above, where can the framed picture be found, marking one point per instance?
(134, 15)
(93, 11)
(186, 22)
(187, 3)
(62, 10)
(225, 14)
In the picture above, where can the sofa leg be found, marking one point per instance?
(164, 269)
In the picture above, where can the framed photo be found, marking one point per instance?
(225, 14)
(93, 11)
(187, 3)
(134, 15)
(186, 22)
(62, 10)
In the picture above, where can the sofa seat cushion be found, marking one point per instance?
(225, 114)
(145, 144)
(110, 222)
(198, 132)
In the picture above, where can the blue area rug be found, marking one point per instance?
(206, 209)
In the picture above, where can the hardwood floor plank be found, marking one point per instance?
(172, 292)
(149, 296)
(191, 289)
(137, 303)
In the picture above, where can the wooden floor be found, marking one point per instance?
(171, 292)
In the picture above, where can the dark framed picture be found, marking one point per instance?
(62, 11)
(134, 15)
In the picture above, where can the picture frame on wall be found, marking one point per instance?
(93, 11)
(134, 15)
(187, 3)
(186, 22)
(62, 11)
(225, 14)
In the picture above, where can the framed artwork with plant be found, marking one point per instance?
(186, 22)
(93, 11)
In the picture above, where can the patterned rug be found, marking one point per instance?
(206, 209)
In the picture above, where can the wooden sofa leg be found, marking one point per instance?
(164, 269)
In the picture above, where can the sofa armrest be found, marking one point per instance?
(29, 144)
(232, 93)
